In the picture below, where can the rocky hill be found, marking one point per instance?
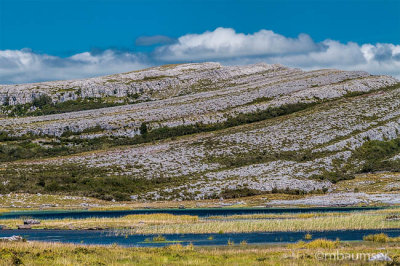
(196, 131)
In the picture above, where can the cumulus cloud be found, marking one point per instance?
(376, 59)
(226, 43)
(229, 47)
(223, 45)
(21, 66)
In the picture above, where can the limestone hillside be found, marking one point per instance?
(196, 131)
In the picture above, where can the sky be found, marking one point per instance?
(57, 39)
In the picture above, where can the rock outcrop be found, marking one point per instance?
(283, 153)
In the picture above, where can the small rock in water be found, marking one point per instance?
(24, 226)
(31, 221)
(380, 257)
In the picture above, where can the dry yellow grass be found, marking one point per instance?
(128, 221)
(315, 244)
(354, 221)
(34, 253)
(280, 216)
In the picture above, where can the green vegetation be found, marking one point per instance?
(238, 193)
(42, 101)
(247, 192)
(151, 78)
(240, 119)
(376, 155)
(33, 146)
(339, 174)
(43, 105)
(74, 179)
(260, 100)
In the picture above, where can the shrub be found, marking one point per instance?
(381, 238)
(143, 129)
(159, 238)
(317, 243)
(238, 193)
(42, 101)
(243, 243)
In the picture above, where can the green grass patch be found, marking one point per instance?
(80, 180)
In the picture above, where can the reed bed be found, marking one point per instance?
(127, 221)
(354, 221)
(279, 216)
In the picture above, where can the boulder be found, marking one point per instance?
(12, 239)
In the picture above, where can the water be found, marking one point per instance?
(80, 214)
(108, 237)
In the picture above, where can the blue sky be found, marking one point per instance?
(88, 38)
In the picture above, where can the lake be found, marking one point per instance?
(80, 214)
(110, 237)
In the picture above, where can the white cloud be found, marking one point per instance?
(376, 59)
(226, 43)
(223, 45)
(21, 66)
(229, 47)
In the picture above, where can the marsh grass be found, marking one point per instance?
(280, 216)
(317, 243)
(382, 238)
(186, 224)
(128, 221)
(36, 253)
(346, 222)
(159, 238)
(308, 237)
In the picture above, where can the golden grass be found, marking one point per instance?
(128, 221)
(383, 238)
(35, 253)
(315, 244)
(3, 210)
(353, 221)
(280, 216)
